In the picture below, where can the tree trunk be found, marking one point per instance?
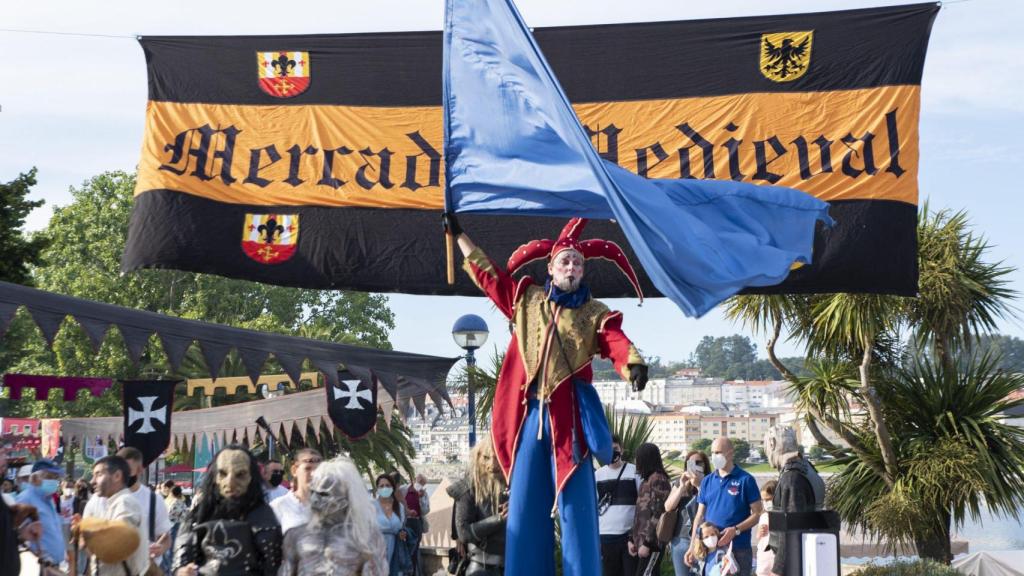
(934, 544)
(874, 406)
(812, 424)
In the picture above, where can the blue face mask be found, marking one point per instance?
(385, 491)
(49, 487)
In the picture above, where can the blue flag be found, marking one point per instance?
(513, 145)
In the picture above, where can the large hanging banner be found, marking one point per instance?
(315, 160)
(148, 405)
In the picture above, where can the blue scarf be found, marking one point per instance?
(573, 299)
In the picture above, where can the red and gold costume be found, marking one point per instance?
(536, 355)
(546, 420)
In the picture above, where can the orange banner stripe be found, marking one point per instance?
(842, 145)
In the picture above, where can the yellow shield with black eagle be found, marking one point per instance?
(785, 56)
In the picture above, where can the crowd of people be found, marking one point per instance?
(244, 519)
(707, 520)
(247, 518)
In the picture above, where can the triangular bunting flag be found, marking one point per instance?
(253, 361)
(214, 354)
(291, 364)
(135, 340)
(48, 322)
(95, 329)
(175, 348)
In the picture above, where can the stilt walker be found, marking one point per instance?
(547, 420)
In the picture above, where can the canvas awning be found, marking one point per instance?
(404, 376)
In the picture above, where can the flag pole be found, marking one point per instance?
(450, 257)
(445, 81)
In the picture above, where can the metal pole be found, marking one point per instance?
(471, 363)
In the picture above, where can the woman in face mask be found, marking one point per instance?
(683, 500)
(391, 520)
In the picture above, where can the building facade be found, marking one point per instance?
(681, 429)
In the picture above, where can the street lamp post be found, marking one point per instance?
(470, 332)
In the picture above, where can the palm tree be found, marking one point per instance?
(631, 429)
(956, 455)
(855, 344)
(961, 295)
(485, 382)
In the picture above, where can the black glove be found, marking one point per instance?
(638, 377)
(451, 224)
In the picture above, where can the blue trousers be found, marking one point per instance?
(530, 538)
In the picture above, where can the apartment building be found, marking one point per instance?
(756, 393)
(678, 430)
(662, 391)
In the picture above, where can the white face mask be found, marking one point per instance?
(718, 460)
(417, 486)
(711, 542)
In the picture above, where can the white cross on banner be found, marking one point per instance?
(146, 415)
(352, 393)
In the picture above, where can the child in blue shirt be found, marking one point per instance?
(705, 549)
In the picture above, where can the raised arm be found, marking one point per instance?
(492, 279)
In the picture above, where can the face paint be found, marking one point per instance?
(233, 475)
(566, 270)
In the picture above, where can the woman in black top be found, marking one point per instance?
(650, 505)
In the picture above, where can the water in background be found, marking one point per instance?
(992, 533)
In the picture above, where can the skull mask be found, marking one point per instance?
(328, 498)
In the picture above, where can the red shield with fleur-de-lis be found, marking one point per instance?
(283, 74)
(270, 238)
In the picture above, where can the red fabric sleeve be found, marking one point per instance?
(499, 286)
(613, 343)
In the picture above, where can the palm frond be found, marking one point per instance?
(960, 294)
(632, 429)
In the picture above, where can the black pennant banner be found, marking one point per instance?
(148, 405)
(352, 404)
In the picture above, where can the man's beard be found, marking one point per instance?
(568, 283)
(229, 508)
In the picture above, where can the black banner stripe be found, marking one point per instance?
(402, 250)
(850, 49)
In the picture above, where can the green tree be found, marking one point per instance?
(1008, 349)
(741, 449)
(898, 483)
(17, 251)
(702, 445)
(731, 357)
(82, 258)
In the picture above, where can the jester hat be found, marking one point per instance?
(569, 239)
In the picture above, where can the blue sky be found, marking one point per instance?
(74, 107)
